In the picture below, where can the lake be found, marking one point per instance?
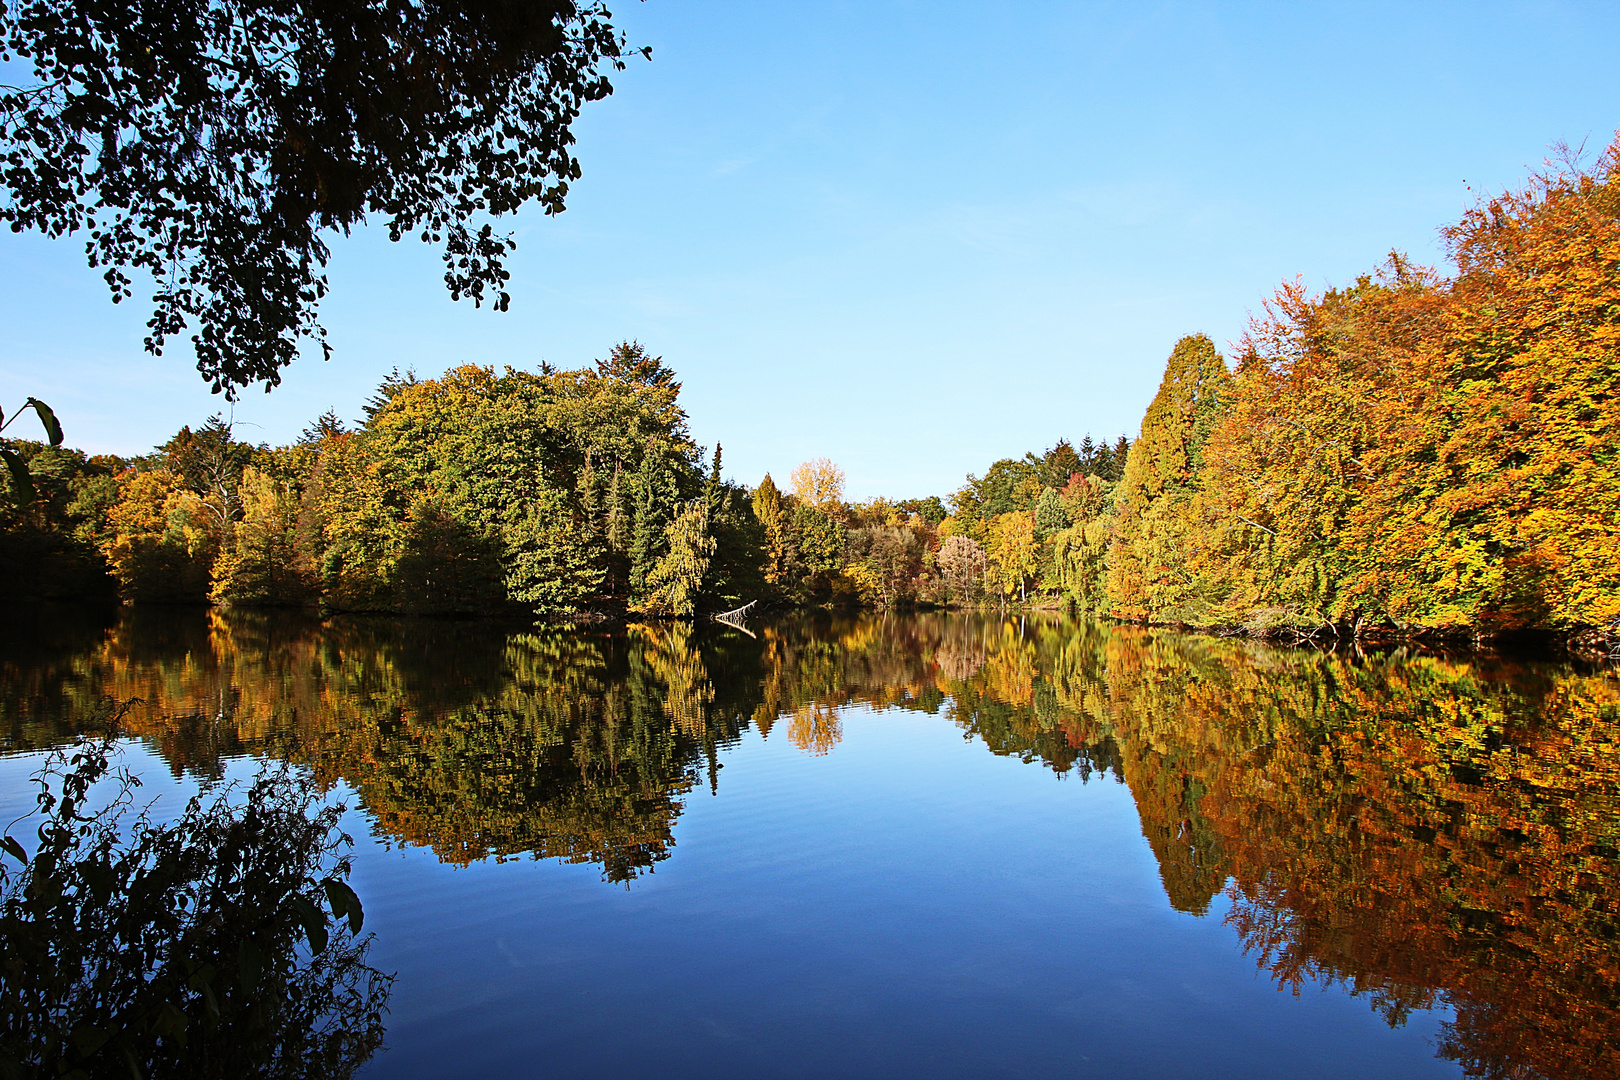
(930, 845)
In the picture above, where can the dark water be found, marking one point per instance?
(924, 845)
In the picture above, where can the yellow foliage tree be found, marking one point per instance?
(1014, 551)
(159, 542)
(1147, 569)
(819, 483)
(263, 563)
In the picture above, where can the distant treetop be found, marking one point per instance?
(629, 361)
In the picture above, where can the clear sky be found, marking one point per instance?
(914, 237)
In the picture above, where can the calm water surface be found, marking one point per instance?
(926, 845)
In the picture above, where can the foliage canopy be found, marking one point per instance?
(211, 144)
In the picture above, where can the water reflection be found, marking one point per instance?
(1416, 828)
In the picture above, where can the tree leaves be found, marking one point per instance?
(345, 904)
(312, 919)
(139, 948)
(22, 481)
(314, 120)
(53, 430)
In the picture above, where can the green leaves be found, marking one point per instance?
(53, 430)
(234, 238)
(128, 951)
(312, 919)
(344, 903)
(22, 481)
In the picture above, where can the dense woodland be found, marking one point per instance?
(1411, 452)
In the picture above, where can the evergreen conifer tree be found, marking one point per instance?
(655, 495)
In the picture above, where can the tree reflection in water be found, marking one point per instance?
(196, 947)
(1422, 830)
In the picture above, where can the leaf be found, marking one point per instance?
(312, 920)
(249, 964)
(171, 1022)
(10, 844)
(22, 481)
(345, 902)
(53, 430)
(87, 1040)
(210, 1002)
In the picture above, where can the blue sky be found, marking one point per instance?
(914, 237)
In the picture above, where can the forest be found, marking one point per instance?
(1408, 453)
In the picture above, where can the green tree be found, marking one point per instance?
(736, 572)
(53, 522)
(1007, 485)
(1050, 515)
(656, 492)
(675, 581)
(517, 459)
(1075, 566)
(820, 541)
(783, 567)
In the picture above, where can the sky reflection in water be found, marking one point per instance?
(678, 852)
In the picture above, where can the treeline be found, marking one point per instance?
(550, 492)
(477, 492)
(1412, 452)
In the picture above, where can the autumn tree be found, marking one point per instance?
(1499, 507)
(962, 563)
(161, 546)
(1317, 398)
(819, 483)
(263, 562)
(782, 564)
(1014, 551)
(891, 556)
(1147, 572)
